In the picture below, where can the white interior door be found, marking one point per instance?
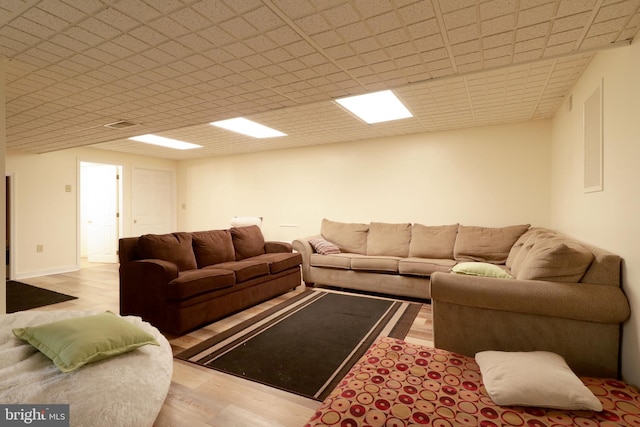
(152, 201)
(100, 210)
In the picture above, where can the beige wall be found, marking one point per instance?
(44, 213)
(609, 218)
(489, 176)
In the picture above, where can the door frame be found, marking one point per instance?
(11, 225)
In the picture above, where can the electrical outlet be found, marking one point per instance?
(40, 247)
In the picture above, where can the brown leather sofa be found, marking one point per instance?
(181, 281)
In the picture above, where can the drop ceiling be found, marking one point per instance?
(170, 67)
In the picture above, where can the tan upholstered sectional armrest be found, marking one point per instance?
(303, 247)
(578, 301)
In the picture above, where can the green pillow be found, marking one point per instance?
(72, 343)
(481, 269)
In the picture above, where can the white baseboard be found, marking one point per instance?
(47, 272)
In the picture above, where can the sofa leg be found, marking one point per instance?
(309, 285)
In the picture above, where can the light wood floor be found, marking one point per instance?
(200, 396)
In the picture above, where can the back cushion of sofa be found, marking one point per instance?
(522, 247)
(213, 247)
(349, 237)
(486, 244)
(389, 239)
(435, 242)
(247, 241)
(174, 247)
(554, 259)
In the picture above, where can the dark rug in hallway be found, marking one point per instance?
(21, 296)
(306, 344)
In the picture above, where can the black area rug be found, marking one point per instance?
(21, 296)
(306, 344)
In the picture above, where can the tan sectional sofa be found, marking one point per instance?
(397, 259)
(515, 288)
(566, 297)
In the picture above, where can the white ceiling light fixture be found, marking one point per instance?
(248, 127)
(165, 142)
(376, 107)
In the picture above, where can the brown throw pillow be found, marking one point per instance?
(174, 247)
(247, 241)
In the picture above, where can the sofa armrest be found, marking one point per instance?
(144, 281)
(271, 247)
(302, 246)
(577, 301)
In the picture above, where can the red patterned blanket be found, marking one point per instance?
(402, 384)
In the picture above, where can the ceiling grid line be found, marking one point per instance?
(585, 29)
(443, 32)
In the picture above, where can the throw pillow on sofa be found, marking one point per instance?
(482, 269)
(175, 247)
(324, 247)
(247, 241)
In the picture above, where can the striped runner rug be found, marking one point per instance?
(306, 344)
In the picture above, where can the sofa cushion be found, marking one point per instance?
(246, 269)
(174, 247)
(523, 245)
(424, 266)
(349, 237)
(247, 241)
(194, 282)
(212, 247)
(280, 261)
(388, 239)
(433, 241)
(375, 263)
(555, 259)
(342, 261)
(486, 244)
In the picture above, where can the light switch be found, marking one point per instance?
(67, 188)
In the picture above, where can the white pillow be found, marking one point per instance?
(537, 378)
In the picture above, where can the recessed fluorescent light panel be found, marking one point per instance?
(376, 107)
(248, 127)
(165, 142)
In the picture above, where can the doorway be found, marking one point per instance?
(100, 216)
(9, 226)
